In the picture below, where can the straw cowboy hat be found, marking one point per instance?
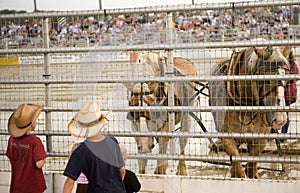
(22, 119)
(89, 121)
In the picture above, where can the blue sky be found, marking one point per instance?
(69, 5)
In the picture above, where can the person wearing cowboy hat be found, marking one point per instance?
(99, 157)
(26, 152)
(82, 181)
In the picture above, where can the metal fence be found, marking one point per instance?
(198, 23)
(62, 70)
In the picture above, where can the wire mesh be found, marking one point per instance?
(77, 77)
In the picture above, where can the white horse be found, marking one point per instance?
(149, 64)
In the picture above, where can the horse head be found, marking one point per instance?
(157, 119)
(271, 92)
(146, 94)
(141, 96)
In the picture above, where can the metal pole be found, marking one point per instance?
(100, 4)
(35, 6)
(46, 75)
(170, 72)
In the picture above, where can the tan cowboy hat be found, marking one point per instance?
(22, 119)
(88, 121)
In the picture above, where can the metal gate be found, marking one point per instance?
(91, 55)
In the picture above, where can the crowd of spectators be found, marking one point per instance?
(192, 26)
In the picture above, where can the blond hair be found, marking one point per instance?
(123, 149)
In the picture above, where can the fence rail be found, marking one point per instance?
(63, 86)
(153, 9)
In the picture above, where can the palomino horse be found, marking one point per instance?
(149, 64)
(251, 61)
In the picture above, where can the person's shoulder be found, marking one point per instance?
(81, 145)
(113, 138)
(80, 149)
(78, 144)
(34, 138)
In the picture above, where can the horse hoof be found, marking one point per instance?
(159, 171)
(181, 173)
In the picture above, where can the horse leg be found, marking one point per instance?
(140, 141)
(181, 168)
(255, 148)
(237, 170)
(162, 164)
(163, 145)
(185, 127)
(142, 166)
(142, 163)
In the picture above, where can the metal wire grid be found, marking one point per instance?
(191, 24)
(110, 96)
(67, 98)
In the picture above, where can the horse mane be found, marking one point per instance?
(235, 65)
(252, 61)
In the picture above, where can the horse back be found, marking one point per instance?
(184, 66)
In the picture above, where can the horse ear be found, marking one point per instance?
(261, 53)
(287, 52)
(148, 59)
(129, 86)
